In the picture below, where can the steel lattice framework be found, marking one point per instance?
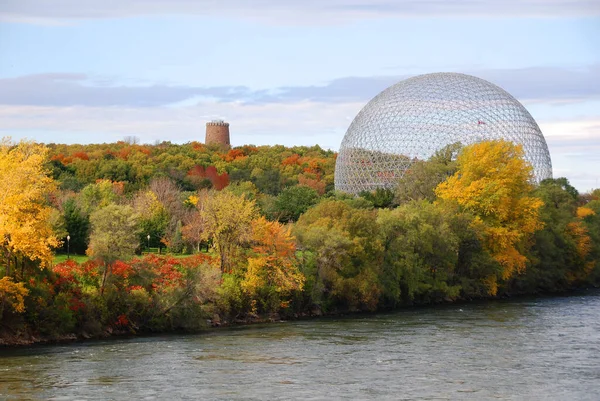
(414, 118)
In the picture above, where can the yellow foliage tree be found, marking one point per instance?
(227, 222)
(493, 182)
(273, 264)
(25, 227)
(12, 294)
(583, 242)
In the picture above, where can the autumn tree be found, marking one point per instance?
(493, 181)
(272, 271)
(114, 236)
(170, 197)
(25, 227)
(227, 220)
(194, 224)
(12, 296)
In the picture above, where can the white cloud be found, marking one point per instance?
(575, 150)
(290, 11)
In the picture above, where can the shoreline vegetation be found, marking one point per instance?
(128, 239)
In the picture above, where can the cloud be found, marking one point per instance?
(538, 84)
(577, 140)
(543, 84)
(78, 89)
(548, 83)
(295, 11)
(303, 123)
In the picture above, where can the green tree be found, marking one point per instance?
(553, 252)
(419, 182)
(380, 198)
(347, 254)
(268, 181)
(77, 225)
(114, 236)
(294, 201)
(97, 195)
(420, 253)
(154, 218)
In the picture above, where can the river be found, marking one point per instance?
(525, 349)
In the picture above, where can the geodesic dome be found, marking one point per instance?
(414, 118)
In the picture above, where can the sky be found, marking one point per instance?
(291, 72)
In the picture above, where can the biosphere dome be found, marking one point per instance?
(414, 118)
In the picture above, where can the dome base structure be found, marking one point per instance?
(414, 118)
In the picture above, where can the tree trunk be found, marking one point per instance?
(104, 279)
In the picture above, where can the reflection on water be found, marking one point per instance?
(533, 349)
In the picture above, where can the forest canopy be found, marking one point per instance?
(136, 238)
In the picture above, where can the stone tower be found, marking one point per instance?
(217, 133)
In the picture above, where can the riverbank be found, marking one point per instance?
(23, 338)
(526, 348)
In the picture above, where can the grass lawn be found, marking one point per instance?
(61, 257)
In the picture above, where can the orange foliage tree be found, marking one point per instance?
(218, 181)
(272, 270)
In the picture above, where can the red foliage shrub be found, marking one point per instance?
(121, 269)
(122, 321)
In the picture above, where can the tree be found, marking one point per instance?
(564, 184)
(347, 253)
(25, 227)
(293, 201)
(272, 271)
(114, 236)
(420, 253)
(421, 179)
(12, 295)
(194, 224)
(493, 181)
(97, 195)
(268, 181)
(170, 197)
(154, 218)
(227, 220)
(77, 225)
(380, 198)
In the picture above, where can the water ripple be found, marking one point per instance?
(533, 349)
